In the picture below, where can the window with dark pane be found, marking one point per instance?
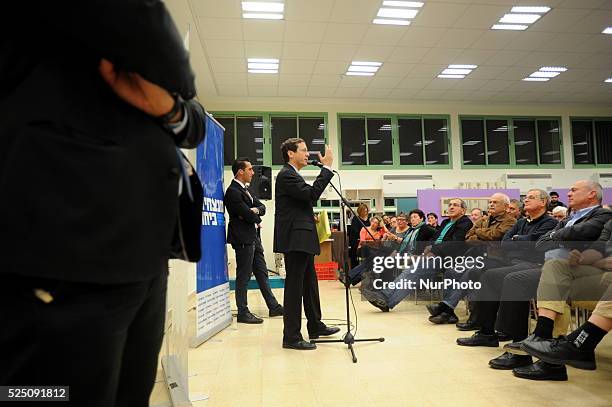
(525, 142)
(312, 130)
(281, 128)
(352, 133)
(603, 137)
(410, 141)
(472, 134)
(249, 138)
(436, 141)
(228, 139)
(497, 142)
(379, 142)
(389, 201)
(549, 140)
(582, 142)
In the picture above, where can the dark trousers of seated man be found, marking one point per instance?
(503, 301)
(250, 260)
(452, 296)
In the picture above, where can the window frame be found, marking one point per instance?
(595, 152)
(267, 130)
(395, 153)
(511, 147)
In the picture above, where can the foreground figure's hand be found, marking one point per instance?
(137, 91)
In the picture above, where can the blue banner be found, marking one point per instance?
(212, 269)
(213, 311)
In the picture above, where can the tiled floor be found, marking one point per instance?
(417, 365)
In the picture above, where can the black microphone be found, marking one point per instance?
(316, 163)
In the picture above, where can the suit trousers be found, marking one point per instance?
(250, 260)
(102, 341)
(488, 298)
(300, 282)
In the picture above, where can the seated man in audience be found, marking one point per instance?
(515, 208)
(475, 215)
(432, 220)
(487, 229)
(517, 288)
(559, 213)
(447, 242)
(578, 348)
(584, 276)
(554, 201)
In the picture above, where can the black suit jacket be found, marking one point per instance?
(241, 228)
(453, 243)
(89, 184)
(580, 235)
(294, 226)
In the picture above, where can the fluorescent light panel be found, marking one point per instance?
(513, 27)
(262, 65)
(448, 71)
(397, 13)
(520, 17)
(531, 79)
(609, 80)
(353, 73)
(463, 66)
(263, 6)
(607, 30)
(553, 69)
(388, 21)
(363, 68)
(360, 68)
(263, 16)
(545, 73)
(446, 76)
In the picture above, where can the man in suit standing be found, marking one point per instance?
(245, 212)
(295, 235)
(95, 99)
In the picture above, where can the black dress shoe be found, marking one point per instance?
(503, 337)
(517, 348)
(508, 361)
(328, 330)
(561, 351)
(381, 305)
(468, 326)
(300, 345)
(444, 318)
(248, 318)
(277, 311)
(434, 309)
(541, 370)
(479, 339)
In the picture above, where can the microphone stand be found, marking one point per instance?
(348, 338)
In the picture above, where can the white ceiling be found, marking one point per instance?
(319, 38)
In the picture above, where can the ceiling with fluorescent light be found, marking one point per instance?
(318, 39)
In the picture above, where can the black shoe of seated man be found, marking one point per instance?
(541, 370)
(479, 339)
(508, 361)
(468, 326)
(327, 331)
(434, 309)
(277, 311)
(380, 304)
(561, 351)
(444, 318)
(503, 337)
(300, 345)
(517, 348)
(248, 318)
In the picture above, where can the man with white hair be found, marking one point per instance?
(488, 229)
(559, 213)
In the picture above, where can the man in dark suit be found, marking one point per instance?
(295, 235)
(245, 212)
(92, 110)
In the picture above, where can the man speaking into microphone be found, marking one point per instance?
(295, 235)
